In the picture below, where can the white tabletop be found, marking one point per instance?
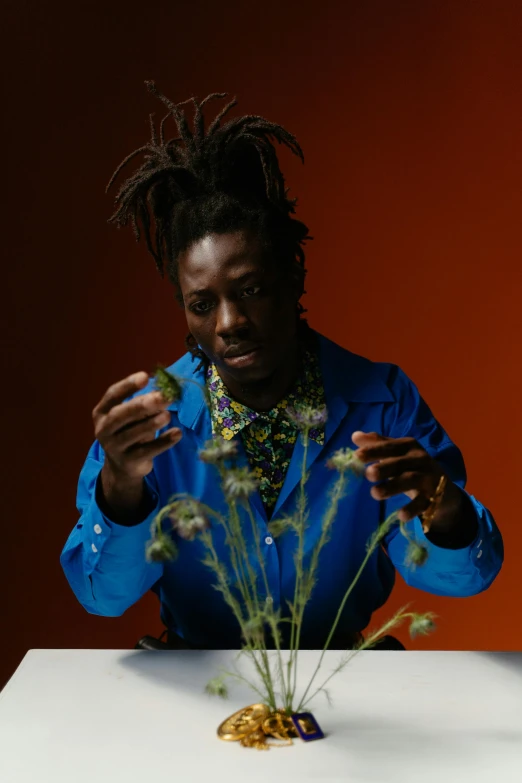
(112, 715)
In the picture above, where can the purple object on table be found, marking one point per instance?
(307, 726)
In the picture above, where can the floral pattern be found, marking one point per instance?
(269, 436)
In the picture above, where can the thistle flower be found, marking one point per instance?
(345, 459)
(239, 483)
(422, 624)
(217, 687)
(167, 384)
(218, 450)
(307, 418)
(160, 549)
(416, 554)
(187, 518)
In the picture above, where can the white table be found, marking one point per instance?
(79, 716)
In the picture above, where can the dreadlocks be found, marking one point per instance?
(215, 180)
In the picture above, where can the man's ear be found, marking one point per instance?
(190, 342)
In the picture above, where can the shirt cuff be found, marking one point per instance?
(457, 560)
(102, 534)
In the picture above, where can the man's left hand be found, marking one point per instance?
(405, 467)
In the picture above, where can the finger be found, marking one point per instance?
(413, 509)
(140, 432)
(393, 447)
(119, 391)
(158, 446)
(134, 411)
(396, 486)
(363, 439)
(417, 461)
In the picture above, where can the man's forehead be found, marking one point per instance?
(214, 248)
(211, 258)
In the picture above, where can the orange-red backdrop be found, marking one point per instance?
(409, 115)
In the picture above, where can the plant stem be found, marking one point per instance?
(247, 682)
(301, 518)
(246, 570)
(269, 612)
(328, 520)
(254, 608)
(243, 562)
(376, 541)
(367, 644)
(229, 598)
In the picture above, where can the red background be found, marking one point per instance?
(409, 115)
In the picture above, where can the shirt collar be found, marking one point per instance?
(307, 391)
(347, 378)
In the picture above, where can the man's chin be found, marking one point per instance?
(251, 376)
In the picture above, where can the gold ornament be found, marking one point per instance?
(243, 722)
(253, 726)
(435, 500)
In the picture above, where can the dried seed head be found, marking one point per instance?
(416, 554)
(167, 384)
(218, 450)
(161, 549)
(345, 459)
(217, 687)
(422, 624)
(187, 517)
(307, 418)
(239, 483)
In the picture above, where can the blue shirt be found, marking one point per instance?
(105, 562)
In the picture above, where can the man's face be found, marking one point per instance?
(238, 309)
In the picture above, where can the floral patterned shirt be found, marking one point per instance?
(268, 436)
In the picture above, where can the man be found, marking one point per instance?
(224, 227)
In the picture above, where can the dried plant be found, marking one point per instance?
(261, 625)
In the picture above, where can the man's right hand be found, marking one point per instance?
(126, 431)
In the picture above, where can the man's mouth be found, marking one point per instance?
(240, 349)
(241, 355)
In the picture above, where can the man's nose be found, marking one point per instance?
(231, 319)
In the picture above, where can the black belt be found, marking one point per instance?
(175, 642)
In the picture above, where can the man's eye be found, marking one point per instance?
(252, 290)
(200, 307)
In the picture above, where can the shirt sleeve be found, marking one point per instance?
(449, 572)
(105, 562)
